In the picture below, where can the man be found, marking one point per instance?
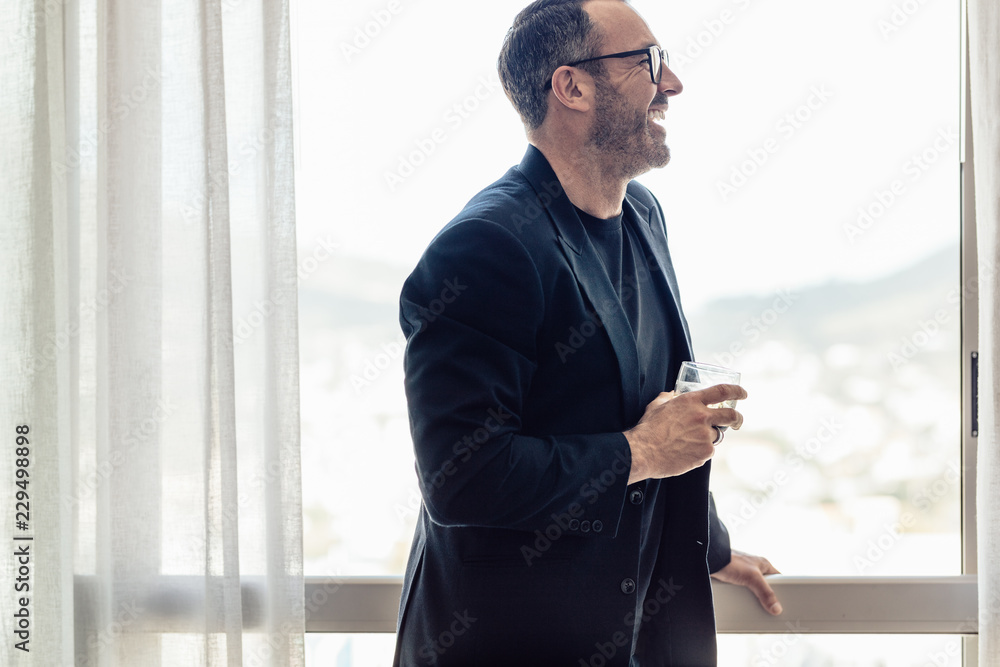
(566, 518)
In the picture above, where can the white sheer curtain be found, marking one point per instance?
(148, 322)
(984, 72)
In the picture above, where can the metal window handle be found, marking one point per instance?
(975, 395)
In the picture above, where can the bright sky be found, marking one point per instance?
(806, 111)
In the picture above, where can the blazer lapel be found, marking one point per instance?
(655, 246)
(583, 259)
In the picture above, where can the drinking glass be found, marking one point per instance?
(695, 375)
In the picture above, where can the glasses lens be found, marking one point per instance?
(655, 64)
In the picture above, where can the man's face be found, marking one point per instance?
(628, 105)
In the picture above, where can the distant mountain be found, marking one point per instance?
(349, 292)
(862, 314)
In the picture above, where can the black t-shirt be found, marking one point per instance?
(647, 303)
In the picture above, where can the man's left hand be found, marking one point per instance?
(749, 571)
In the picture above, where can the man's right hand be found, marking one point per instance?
(676, 432)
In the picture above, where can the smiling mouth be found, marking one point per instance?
(656, 116)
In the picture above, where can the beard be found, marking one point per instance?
(624, 135)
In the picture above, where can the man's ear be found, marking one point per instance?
(573, 88)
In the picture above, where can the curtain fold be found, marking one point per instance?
(984, 73)
(35, 568)
(148, 205)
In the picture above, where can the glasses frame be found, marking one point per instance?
(649, 50)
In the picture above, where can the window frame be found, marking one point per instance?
(823, 605)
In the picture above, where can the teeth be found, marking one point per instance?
(657, 114)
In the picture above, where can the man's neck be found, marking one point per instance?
(586, 180)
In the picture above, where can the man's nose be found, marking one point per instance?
(669, 83)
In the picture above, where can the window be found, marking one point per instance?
(814, 212)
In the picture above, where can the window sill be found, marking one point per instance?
(832, 605)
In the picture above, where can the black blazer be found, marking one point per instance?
(521, 374)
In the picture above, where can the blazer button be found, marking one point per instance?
(635, 497)
(628, 586)
(585, 526)
(574, 524)
(597, 526)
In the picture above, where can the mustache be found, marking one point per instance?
(661, 98)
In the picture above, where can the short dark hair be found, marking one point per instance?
(545, 35)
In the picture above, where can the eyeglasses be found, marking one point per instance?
(657, 59)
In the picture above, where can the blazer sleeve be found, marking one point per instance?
(471, 313)
(719, 551)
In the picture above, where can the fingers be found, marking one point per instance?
(765, 594)
(727, 417)
(720, 393)
(758, 584)
(749, 571)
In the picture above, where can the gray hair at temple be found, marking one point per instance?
(545, 35)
